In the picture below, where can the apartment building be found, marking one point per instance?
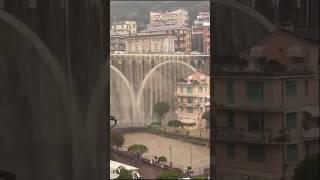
(178, 17)
(124, 28)
(201, 33)
(117, 43)
(267, 108)
(193, 99)
(150, 43)
(182, 34)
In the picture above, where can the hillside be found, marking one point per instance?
(139, 10)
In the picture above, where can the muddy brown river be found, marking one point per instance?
(183, 153)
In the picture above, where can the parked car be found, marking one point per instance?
(195, 52)
(179, 52)
(119, 52)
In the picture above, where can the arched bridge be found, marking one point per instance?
(138, 81)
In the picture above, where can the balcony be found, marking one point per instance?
(263, 137)
(311, 133)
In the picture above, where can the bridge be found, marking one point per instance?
(138, 81)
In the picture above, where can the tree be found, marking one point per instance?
(125, 174)
(160, 109)
(169, 175)
(116, 139)
(162, 159)
(138, 148)
(307, 169)
(206, 116)
(174, 123)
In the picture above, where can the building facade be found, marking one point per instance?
(178, 17)
(201, 33)
(124, 28)
(267, 112)
(193, 99)
(150, 43)
(182, 34)
(117, 43)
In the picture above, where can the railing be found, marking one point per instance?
(266, 136)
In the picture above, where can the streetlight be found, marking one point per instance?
(170, 156)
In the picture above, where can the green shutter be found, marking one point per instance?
(230, 92)
(291, 120)
(230, 119)
(255, 92)
(306, 87)
(190, 110)
(291, 88)
(230, 149)
(291, 152)
(189, 90)
(256, 152)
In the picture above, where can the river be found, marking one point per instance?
(183, 153)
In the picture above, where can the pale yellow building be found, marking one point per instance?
(150, 43)
(193, 99)
(124, 28)
(177, 17)
(267, 112)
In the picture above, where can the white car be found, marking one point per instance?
(119, 52)
(179, 52)
(195, 52)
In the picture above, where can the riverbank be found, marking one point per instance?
(173, 135)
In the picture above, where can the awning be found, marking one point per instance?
(257, 52)
(295, 51)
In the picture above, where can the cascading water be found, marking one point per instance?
(149, 79)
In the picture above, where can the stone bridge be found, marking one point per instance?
(138, 81)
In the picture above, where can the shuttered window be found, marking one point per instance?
(256, 152)
(291, 152)
(255, 92)
(230, 92)
(230, 119)
(291, 120)
(291, 88)
(230, 149)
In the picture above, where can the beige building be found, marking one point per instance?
(177, 17)
(150, 43)
(267, 112)
(124, 28)
(193, 99)
(182, 34)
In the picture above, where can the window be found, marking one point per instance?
(306, 87)
(230, 149)
(256, 152)
(181, 89)
(190, 110)
(291, 88)
(255, 121)
(291, 152)
(189, 100)
(181, 109)
(200, 90)
(230, 119)
(291, 120)
(230, 92)
(255, 92)
(189, 90)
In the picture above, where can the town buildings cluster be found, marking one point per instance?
(167, 32)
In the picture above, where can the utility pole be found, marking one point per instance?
(170, 156)
(191, 157)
